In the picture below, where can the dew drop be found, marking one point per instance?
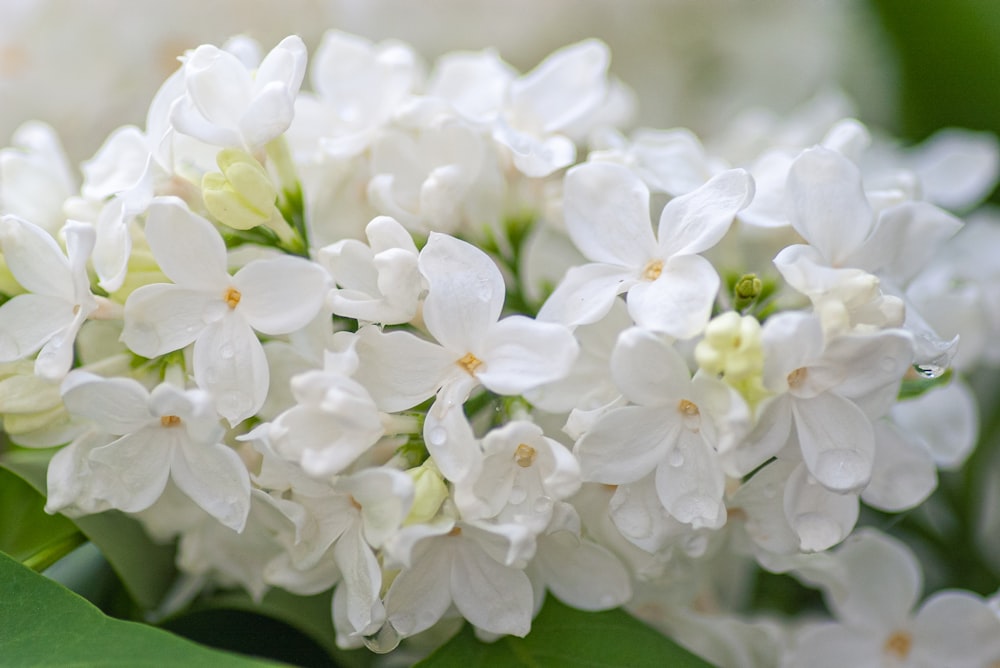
(383, 641)
(929, 370)
(542, 504)
(517, 495)
(227, 351)
(696, 545)
(484, 291)
(213, 311)
(437, 436)
(675, 458)
(607, 601)
(842, 470)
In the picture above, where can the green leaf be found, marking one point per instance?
(564, 637)
(144, 567)
(27, 533)
(43, 623)
(309, 614)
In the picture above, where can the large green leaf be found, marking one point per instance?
(27, 533)
(44, 624)
(144, 567)
(564, 637)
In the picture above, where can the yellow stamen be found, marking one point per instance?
(688, 408)
(524, 455)
(456, 531)
(797, 377)
(653, 270)
(232, 297)
(470, 363)
(899, 644)
(169, 421)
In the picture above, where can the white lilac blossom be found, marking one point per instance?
(436, 340)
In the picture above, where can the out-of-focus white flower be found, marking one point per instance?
(227, 104)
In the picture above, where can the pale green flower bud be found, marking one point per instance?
(430, 491)
(733, 350)
(242, 196)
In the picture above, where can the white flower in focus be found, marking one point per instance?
(378, 282)
(677, 429)
(168, 433)
(48, 318)
(227, 104)
(476, 566)
(670, 288)
(462, 312)
(215, 311)
(523, 473)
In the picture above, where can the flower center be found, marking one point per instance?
(797, 377)
(470, 363)
(456, 531)
(169, 421)
(653, 270)
(899, 644)
(232, 297)
(690, 415)
(524, 455)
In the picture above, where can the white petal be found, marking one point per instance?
(449, 437)
(648, 369)
(905, 239)
(837, 441)
(186, 246)
(520, 353)
(131, 473)
(385, 496)
(267, 116)
(607, 214)
(362, 578)
(215, 478)
(903, 474)
(28, 321)
(492, 596)
(229, 363)
(626, 444)
(280, 295)
(160, 318)
(770, 434)
(583, 574)
(956, 628)
(586, 293)
(829, 204)
(690, 484)
(679, 302)
(946, 419)
(957, 167)
(881, 582)
(119, 405)
(695, 222)
(821, 518)
(35, 259)
(401, 370)
(420, 595)
(465, 292)
(834, 645)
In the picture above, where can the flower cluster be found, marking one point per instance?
(446, 339)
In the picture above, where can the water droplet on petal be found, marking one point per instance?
(842, 470)
(695, 546)
(383, 641)
(227, 351)
(542, 504)
(484, 291)
(607, 601)
(517, 495)
(437, 436)
(213, 311)
(675, 458)
(929, 370)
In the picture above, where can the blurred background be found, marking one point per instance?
(87, 68)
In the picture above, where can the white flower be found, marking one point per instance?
(35, 177)
(166, 434)
(522, 474)
(872, 587)
(462, 309)
(225, 104)
(670, 288)
(216, 311)
(475, 565)
(48, 318)
(378, 282)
